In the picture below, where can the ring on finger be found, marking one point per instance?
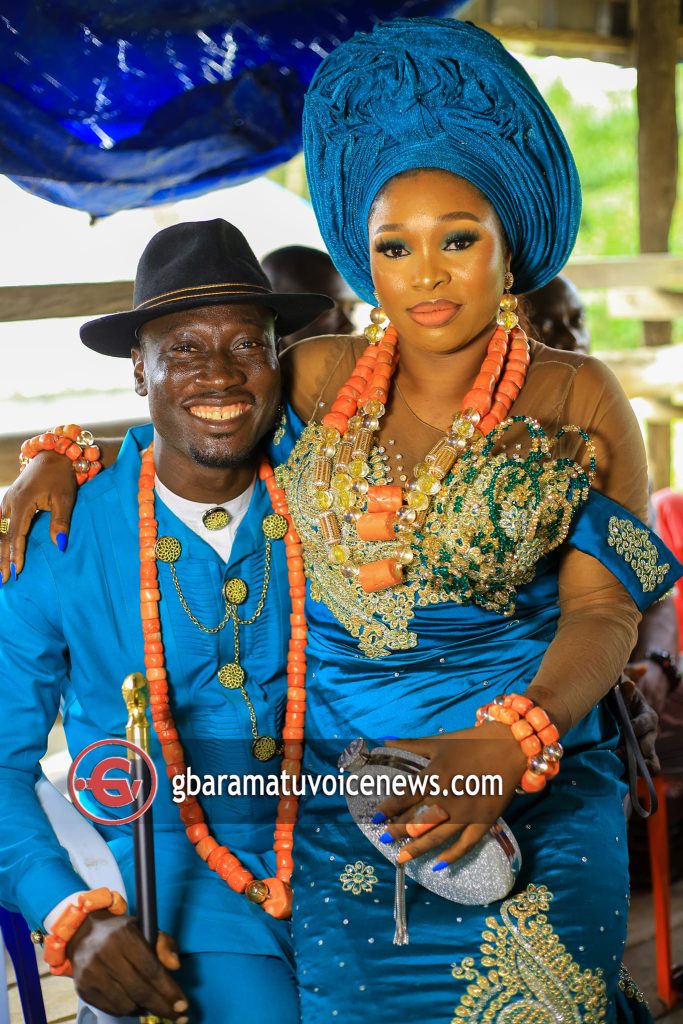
(426, 817)
(4, 524)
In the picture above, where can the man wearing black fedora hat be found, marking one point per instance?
(82, 616)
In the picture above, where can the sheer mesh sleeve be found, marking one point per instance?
(598, 619)
(316, 366)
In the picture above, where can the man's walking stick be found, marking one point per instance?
(136, 696)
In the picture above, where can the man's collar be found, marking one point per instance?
(249, 537)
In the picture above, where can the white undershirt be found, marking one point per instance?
(191, 512)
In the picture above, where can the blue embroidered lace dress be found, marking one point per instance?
(419, 662)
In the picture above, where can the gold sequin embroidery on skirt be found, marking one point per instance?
(526, 974)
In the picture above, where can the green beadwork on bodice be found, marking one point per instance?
(496, 516)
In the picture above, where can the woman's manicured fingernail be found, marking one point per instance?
(13, 571)
(386, 837)
(62, 541)
(415, 829)
(378, 818)
(180, 1006)
(404, 856)
(383, 739)
(440, 865)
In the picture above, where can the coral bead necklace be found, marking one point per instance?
(273, 894)
(395, 513)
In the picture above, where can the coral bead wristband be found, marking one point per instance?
(535, 733)
(71, 440)
(71, 919)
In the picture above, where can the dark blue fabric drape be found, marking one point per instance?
(114, 104)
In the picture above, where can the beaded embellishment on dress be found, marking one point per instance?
(497, 515)
(638, 551)
(358, 878)
(628, 985)
(527, 976)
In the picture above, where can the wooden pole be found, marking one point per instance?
(656, 51)
(656, 47)
(659, 454)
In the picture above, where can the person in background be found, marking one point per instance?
(299, 268)
(558, 316)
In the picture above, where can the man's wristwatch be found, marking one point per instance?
(668, 666)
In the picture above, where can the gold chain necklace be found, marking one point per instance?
(232, 676)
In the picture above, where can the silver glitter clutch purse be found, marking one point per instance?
(485, 874)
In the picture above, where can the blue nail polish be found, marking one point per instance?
(386, 837)
(383, 738)
(62, 541)
(378, 818)
(440, 865)
(13, 571)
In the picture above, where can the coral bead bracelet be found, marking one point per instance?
(535, 733)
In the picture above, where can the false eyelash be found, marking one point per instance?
(385, 244)
(461, 236)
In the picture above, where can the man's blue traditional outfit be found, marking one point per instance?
(71, 627)
(70, 631)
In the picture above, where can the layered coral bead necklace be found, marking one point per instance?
(273, 894)
(388, 513)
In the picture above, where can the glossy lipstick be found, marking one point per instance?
(436, 313)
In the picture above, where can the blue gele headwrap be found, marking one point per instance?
(437, 93)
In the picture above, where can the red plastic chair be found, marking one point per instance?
(658, 848)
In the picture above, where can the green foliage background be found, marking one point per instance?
(605, 148)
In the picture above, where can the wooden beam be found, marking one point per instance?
(558, 39)
(649, 270)
(43, 301)
(656, 51)
(40, 301)
(572, 42)
(654, 411)
(644, 304)
(655, 373)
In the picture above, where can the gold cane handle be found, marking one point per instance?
(136, 695)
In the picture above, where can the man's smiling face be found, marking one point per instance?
(212, 379)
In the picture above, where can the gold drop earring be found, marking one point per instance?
(375, 330)
(507, 317)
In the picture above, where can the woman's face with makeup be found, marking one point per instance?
(438, 258)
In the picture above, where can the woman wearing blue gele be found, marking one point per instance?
(510, 562)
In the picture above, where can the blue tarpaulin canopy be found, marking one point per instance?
(111, 105)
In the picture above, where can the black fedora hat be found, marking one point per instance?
(199, 263)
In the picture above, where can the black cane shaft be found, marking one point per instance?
(143, 848)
